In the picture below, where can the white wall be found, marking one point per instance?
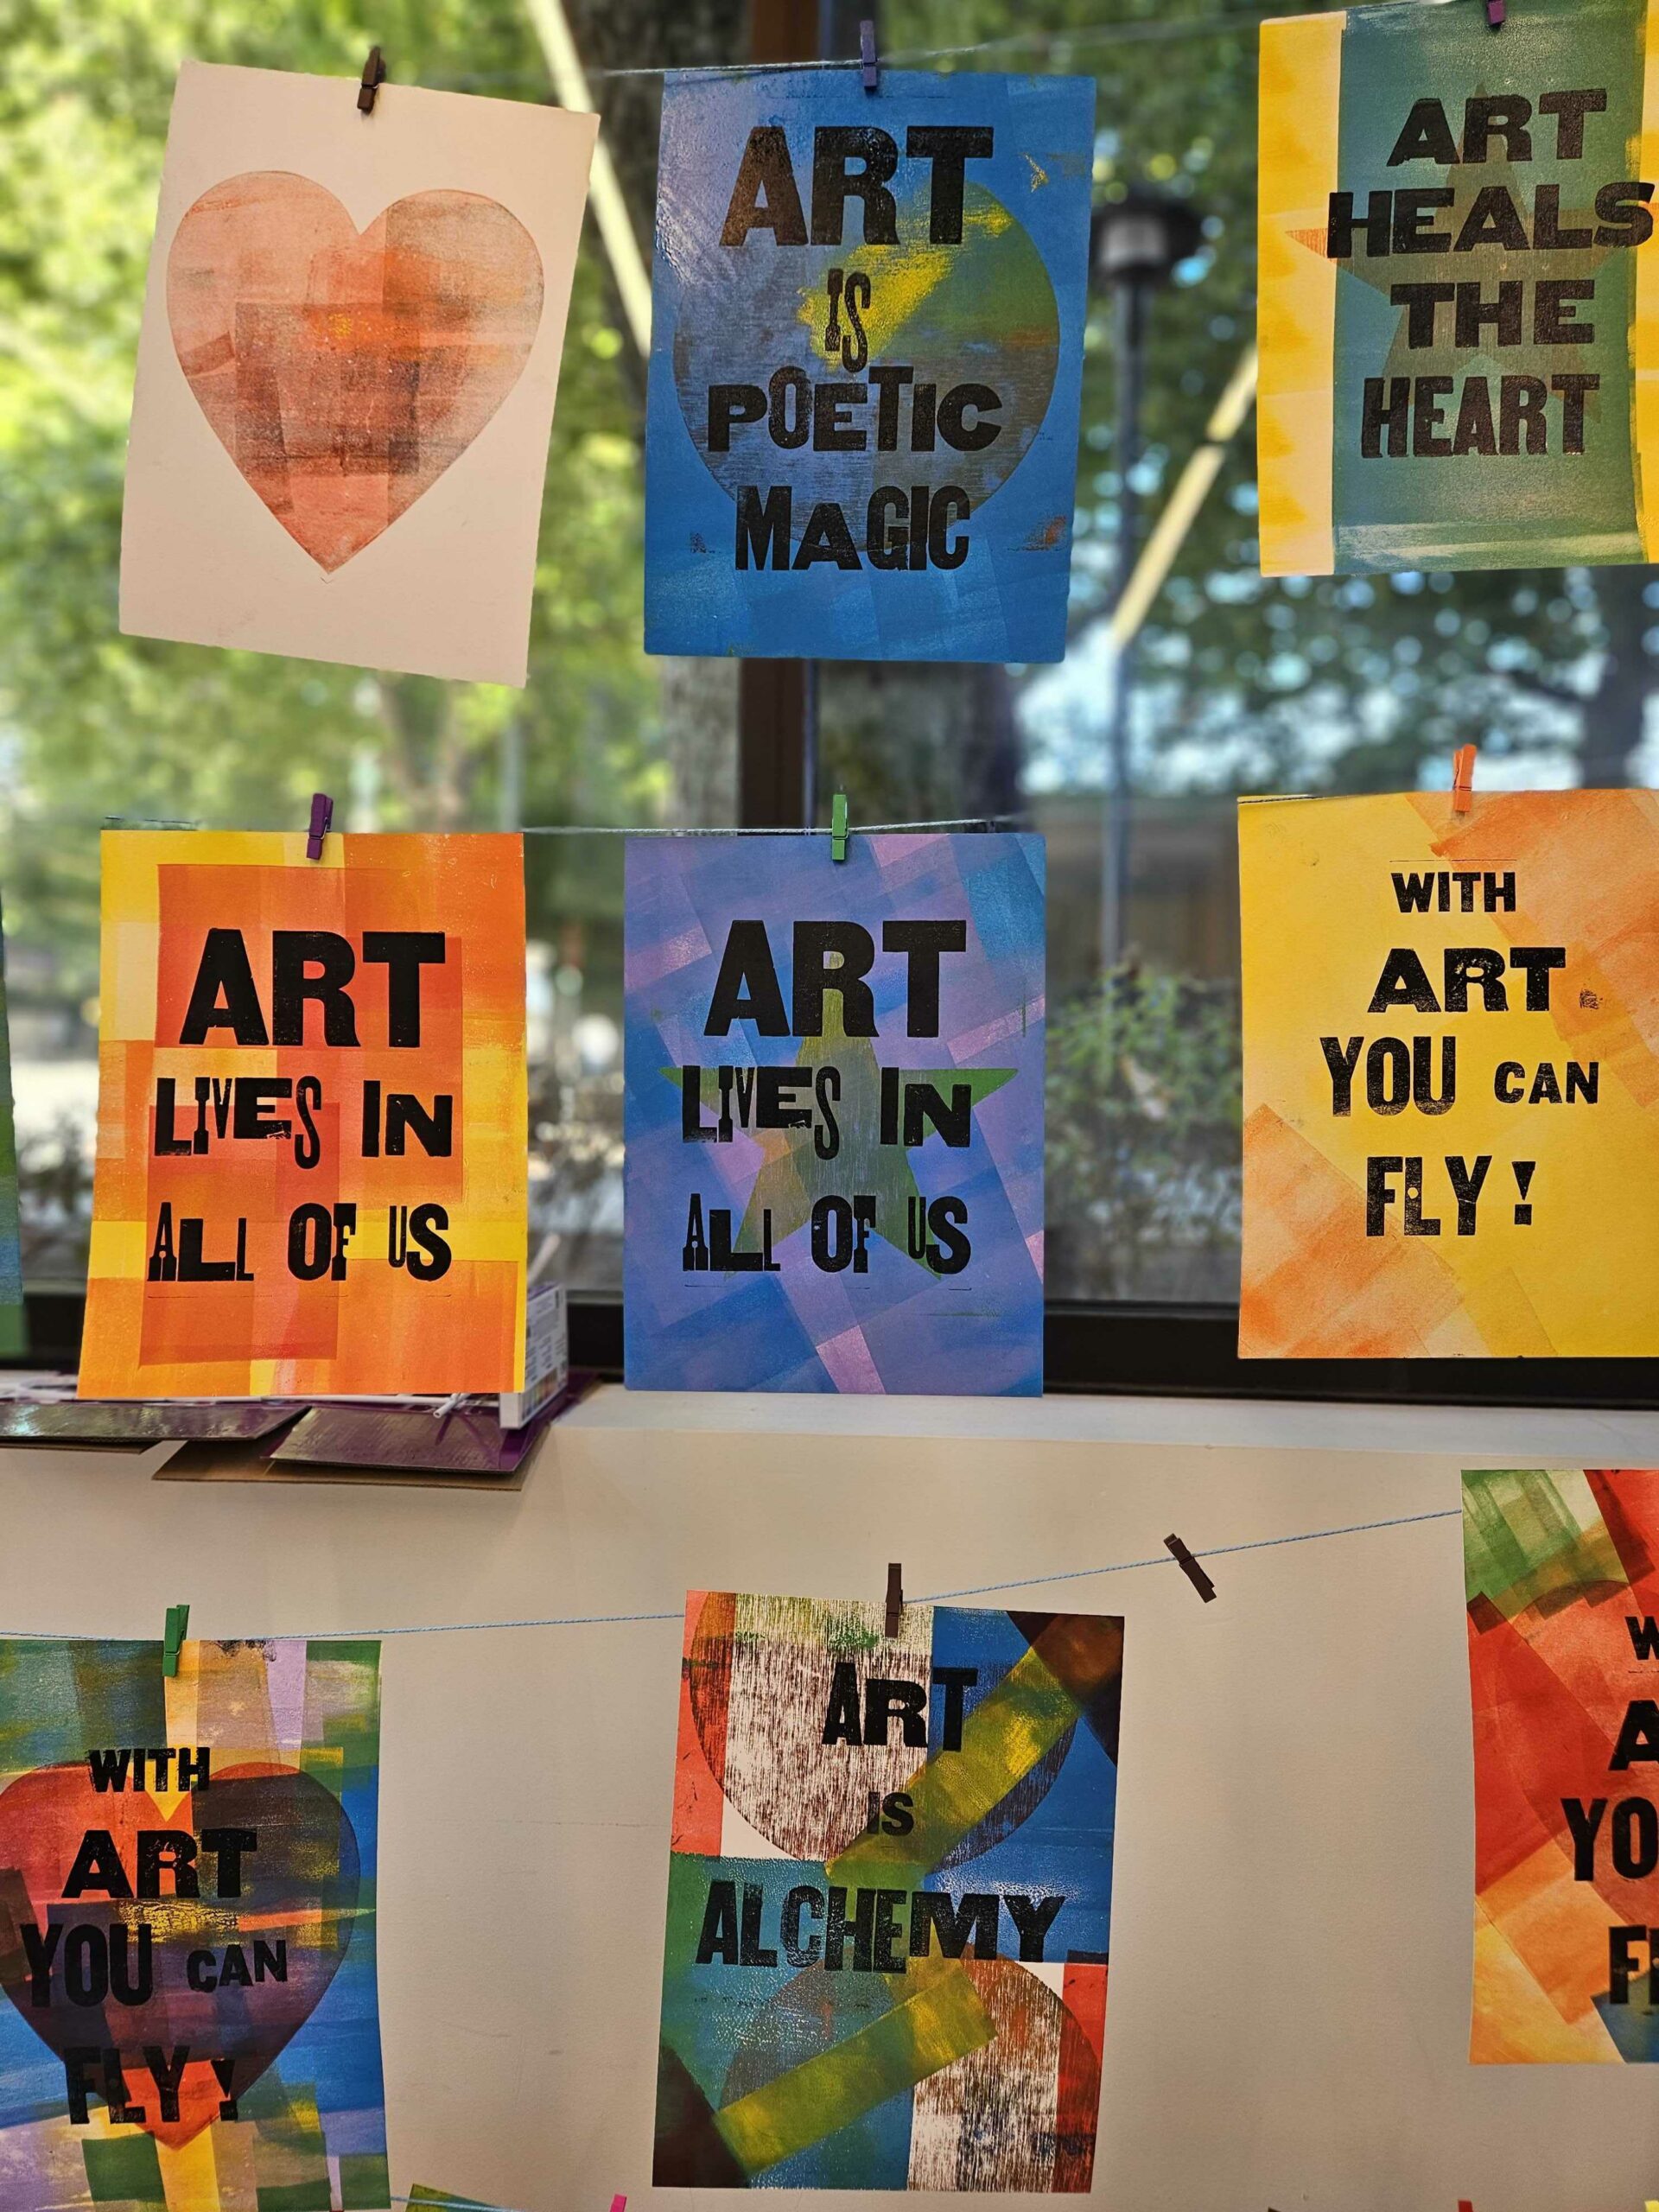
(1288, 2014)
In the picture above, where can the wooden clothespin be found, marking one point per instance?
(322, 814)
(895, 1598)
(1190, 1567)
(374, 75)
(1463, 778)
(839, 833)
(178, 1620)
(869, 68)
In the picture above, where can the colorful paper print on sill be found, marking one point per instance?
(1451, 1076)
(311, 1173)
(833, 1113)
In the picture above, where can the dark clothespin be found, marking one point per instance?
(1190, 1567)
(895, 1597)
(322, 814)
(1495, 12)
(839, 832)
(869, 68)
(178, 1620)
(1463, 778)
(374, 75)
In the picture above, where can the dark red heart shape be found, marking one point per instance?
(299, 1891)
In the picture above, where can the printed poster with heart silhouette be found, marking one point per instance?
(866, 366)
(889, 1897)
(190, 2020)
(347, 371)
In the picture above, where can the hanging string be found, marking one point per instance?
(931, 1598)
(958, 822)
(1157, 29)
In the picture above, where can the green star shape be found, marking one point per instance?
(791, 1178)
(1491, 265)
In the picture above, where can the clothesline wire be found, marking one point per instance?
(931, 1598)
(621, 829)
(1157, 29)
(1160, 27)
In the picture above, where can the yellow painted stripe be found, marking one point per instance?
(1644, 337)
(941, 2021)
(190, 2174)
(1300, 111)
(1002, 1738)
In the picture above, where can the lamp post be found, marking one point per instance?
(1138, 241)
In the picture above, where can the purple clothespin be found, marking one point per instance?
(871, 68)
(322, 813)
(1496, 13)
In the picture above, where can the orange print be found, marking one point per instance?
(344, 371)
(311, 1147)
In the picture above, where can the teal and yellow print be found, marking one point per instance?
(1460, 289)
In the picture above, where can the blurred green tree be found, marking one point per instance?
(1351, 683)
(93, 723)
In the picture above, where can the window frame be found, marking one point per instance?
(1134, 1349)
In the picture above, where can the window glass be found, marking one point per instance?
(1238, 684)
(95, 725)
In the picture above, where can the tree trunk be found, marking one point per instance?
(1615, 717)
(699, 708)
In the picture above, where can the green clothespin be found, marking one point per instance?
(839, 832)
(178, 1620)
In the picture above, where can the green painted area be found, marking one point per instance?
(127, 2172)
(941, 2021)
(1530, 1537)
(57, 1698)
(293, 2197)
(1003, 1738)
(289, 2156)
(792, 1182)
(365, 2181)
(1478, 508)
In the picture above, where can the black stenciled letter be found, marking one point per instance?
(223, 970)
(403, 953)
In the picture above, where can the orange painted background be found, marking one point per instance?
(1580, 1277)
(381, 1329)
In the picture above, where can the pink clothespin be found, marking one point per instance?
(1463, 780)
(1495, 12)
(322, 814)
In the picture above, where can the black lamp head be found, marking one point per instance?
(1142, 237)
